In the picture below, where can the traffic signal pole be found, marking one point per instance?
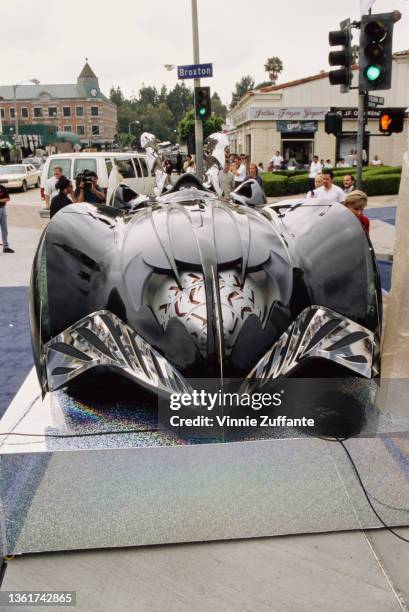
(362, 105)
(196, 83)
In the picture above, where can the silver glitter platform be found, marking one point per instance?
(154, 488)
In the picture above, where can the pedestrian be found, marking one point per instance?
(191, 167)
(349, 183)
(341, 163)
(239, 172)
(356, 201)
(226, 180)
(350, 158)
(376, 161)
(49, 188)
(327, 164)
(88, 190)
(329, 191)
(276, 161)
(315, 168)
(64, 197)
(187, 162)
(253, 174)
(4, 198)
(318, 182)
(260, 167)
(179, 163)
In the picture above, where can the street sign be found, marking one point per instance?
(376, 100)
(195, 71)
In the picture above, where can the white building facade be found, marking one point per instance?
(290, 118)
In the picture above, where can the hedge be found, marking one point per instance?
(380, 180)
(274, 184)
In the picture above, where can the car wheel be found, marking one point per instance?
(38, 183)
(24, 186)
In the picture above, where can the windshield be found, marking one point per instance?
(12, 169)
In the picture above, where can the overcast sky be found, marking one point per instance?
(129, 44)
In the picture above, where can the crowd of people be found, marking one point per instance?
(323, 189)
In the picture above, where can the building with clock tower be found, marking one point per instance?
(80, 111)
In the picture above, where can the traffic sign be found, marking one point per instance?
(195, 71)
(376, 100)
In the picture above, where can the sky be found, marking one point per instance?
(129, 43)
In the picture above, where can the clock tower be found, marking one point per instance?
(88, 82)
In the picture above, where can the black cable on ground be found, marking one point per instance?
(380, 519)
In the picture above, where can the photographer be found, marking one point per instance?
(87, 188)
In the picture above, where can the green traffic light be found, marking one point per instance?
(202, 111)
(373, 72)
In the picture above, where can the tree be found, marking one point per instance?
(273, 66)
(116, 96)
(263, 84)
(179, 101)
(245, 84)
(218, 108)
(187, 125)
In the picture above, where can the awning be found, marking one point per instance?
(68, 137)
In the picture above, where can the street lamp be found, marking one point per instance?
(129, 126)
(36, 82)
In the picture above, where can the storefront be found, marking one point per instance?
(273, 119)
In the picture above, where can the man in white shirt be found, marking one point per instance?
(239, 173)
(376, 161)
(276, 161)
(329, 191)
(49, 188)
(315, 168)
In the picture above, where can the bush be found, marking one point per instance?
(383, 180)
(381, 184)
(298, 184)
(274, 184)
(382, 170)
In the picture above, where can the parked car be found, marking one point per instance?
(132, 167)
(20, 176)
(34, 161)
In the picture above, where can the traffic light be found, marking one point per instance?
(203, 104)
(375, 51)
(391, 121)
(343, 57)
(333, 123)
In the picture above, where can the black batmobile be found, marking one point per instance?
(187, 285)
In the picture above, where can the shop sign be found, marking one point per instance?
(352, 113)
(302, 113)
(296, 126)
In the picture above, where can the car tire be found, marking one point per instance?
(24, 186)
(38, 183)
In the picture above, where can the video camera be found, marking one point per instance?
(84, 177)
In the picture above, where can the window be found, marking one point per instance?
(79, 111)
(137, 166)
(24, 112)
(67, 128)
(81, 130)
(94, 111)
(85, 163)
(65, 164)
(95, 130)
(144, 166)
(2, 113)
(108, 164)
(12, 113)
(52, 111)
(66, 111)
(38, 111)
(125, 167)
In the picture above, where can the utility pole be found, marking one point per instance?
(362, 106)
(196, 83)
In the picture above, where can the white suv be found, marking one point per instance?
(132, 167)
